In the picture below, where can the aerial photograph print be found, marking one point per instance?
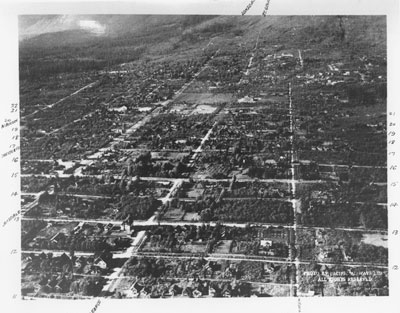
(200, 156)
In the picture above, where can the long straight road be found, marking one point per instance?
(152, 221)
(294, 201)
(61, 100)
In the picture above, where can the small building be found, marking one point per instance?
(197, 293)
(100, 263)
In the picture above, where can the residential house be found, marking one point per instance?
(145, 292)
(175, 290)
(134, 290)
(197, 293)
(187, 292)
(100, 262)
(226, 290)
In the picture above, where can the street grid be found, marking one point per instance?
(135, 249)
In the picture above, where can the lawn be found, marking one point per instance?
(223, 246)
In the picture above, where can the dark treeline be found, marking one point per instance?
(366, 94)
(96, 59)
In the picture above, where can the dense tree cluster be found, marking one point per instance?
(179, 132)
(369, 253)
(366, 94)
(137, 208)
(344, 214)
(262, 210)
(145, 166)
(252, 210)
(34, 183)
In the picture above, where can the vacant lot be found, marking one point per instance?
(206, 98)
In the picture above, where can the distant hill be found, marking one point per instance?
(370, 29)
(100, 40)
(107, 25)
